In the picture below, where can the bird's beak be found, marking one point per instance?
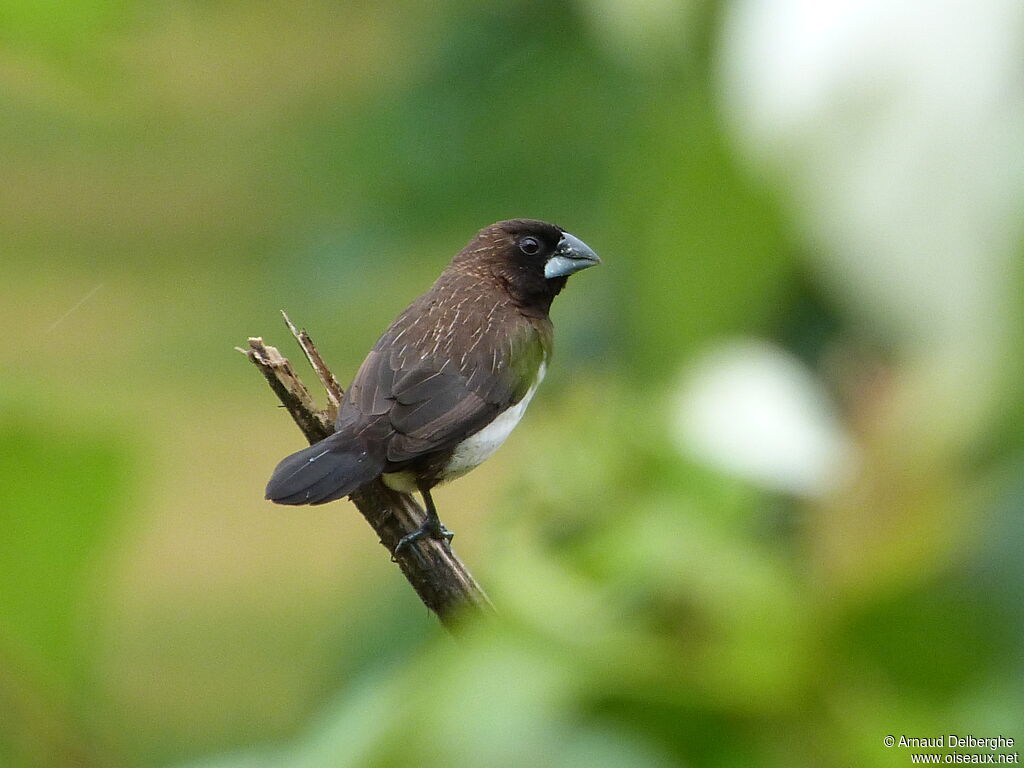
(571, 255)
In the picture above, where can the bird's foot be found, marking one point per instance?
(432, 527)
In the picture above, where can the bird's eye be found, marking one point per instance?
(530, 246)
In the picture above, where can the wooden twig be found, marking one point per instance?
(440, 579)
(320, 368)
(289, 389)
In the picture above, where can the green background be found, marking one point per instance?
(174, 174)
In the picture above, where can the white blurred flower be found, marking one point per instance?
(899, 128)
(754, 410)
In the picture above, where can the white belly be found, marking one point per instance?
(478, 447)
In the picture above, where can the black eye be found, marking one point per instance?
(530, 246)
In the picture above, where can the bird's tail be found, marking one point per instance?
(323, 472)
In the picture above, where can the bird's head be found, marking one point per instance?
(532, 259)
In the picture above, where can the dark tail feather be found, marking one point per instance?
(321, 473)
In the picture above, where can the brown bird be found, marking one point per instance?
(450, 378)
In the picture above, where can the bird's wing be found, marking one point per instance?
(432, 395)
(430, 404)
(401, 405)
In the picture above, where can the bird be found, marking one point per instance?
(449, 379)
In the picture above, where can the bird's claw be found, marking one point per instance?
(433, 528)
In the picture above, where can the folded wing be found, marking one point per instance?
(402, 405)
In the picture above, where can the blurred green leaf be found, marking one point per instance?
(62, 493)
(60, 27)
(704, 252)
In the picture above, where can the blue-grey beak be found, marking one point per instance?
(571, 255)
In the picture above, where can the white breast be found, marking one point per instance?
(477, 448)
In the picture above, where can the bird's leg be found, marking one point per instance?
(432, 525)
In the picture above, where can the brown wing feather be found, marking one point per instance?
(434, 377)
(371, 390)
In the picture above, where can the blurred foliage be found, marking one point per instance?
(175, 173)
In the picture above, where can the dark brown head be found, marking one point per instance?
(531, 259)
